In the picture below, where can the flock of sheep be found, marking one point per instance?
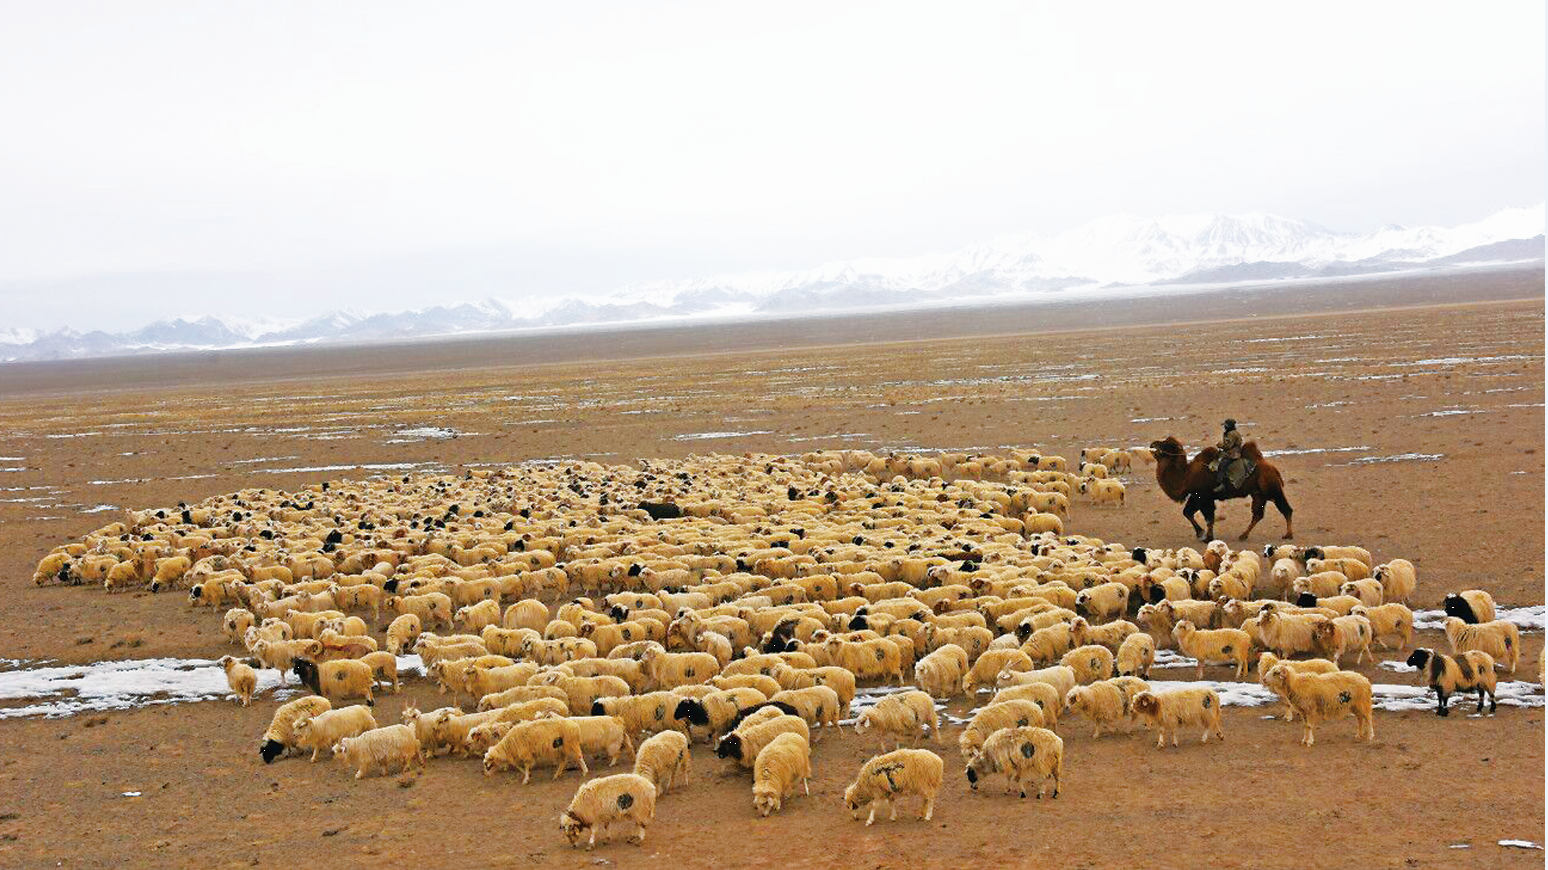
(611, 611)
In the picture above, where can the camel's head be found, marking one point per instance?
(1168, 446)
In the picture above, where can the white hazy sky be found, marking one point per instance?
(185, 158)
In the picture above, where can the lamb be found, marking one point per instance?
(1473, 606)
(402, 633)
(989, 665)
(554, 740)
(1090, 663)
(1500, 639)
(242, 679)
(905, 714)
(1022, 754)
(1103, 602)
(987, 720)
(1268, 660)
(1470, 671)
(1135, 656)
(1344, 634)
(280, 738)
(885, 778)
(780, 767)
(338, 680)
(744, 743)
(622, 797)
(1320, 697)
(1288, 634)
(662, 758)
(387, 747)
(1213, 646)
(818, 705)
(320, 732)
(1167, 712)
(1388, 622)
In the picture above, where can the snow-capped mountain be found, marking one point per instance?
(1115, 251)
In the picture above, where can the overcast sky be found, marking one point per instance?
(178, 158)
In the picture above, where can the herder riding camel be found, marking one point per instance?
(1193, 484)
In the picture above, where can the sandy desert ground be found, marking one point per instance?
(1414, 431)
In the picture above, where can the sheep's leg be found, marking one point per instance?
(929, 807)
(872, 817)
(1440, 701)
(1258, 501)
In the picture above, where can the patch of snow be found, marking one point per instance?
(1520, 844)
(1529, 618)
(707, 436)
(422, 433)
(1400, 457)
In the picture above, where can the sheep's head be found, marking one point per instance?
(1419, 658)
(1146, 704)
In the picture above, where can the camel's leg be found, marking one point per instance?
(1208, 507)
(1258, 501)
(1191, 507)
(1283, 505)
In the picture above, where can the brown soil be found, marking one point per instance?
(1352, 378)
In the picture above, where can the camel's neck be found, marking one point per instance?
(1172, 474)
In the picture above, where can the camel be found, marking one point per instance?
(1191, 483)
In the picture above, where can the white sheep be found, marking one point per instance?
(1389, 622)
(385, 748)
(988, 666)
(242, 679)
(1090, 663)
(622, 797)
(1320, 697)
(320, 732)
(1024, 755)
(904, 714)
(1500, 639)
(989, 719)
(1167, 712)
(885, 778)
(1061, 677)
(662, 758)
(1135, 656)
(1398, 580)
(527, 744)
(818, 705)
(1344, 634)
(781, 765)
(1105, 702)
(1045, 696)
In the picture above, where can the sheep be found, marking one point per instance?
(1213, 646)
(1282, 576)
(668, 670)
(662, 758)
(1288, 634)
(643, 714)
(1101, 491)
(1470, 671)
(1500, 639)
(241, 678)
(527, 613)
(1343, 634)
(486, 734)
(989, 665)
(785, 762)
(553, 740)
(483, 681)
(582, 692)
(337, 646)
(839, 680)
(1369, 591)
(987, 720)
(1135, 656)
(1103, 602)
(1398, 580)
(1352, 569)
(475, 617)
(1337, 605)
(1268, 660)
(385, 747)
(1167, 712)
(338, 680)
(1320, 697)
(1090, 663)
(1358, 554)
(320, 732)
(1049, 643)
(1388, 621)
(743, 744)
(818, 705)
(280, 738)
(402, 633)
(867, 659)
(885, 778)
(603, 735)
(622, 797)
(1323, 585)
(717, 710)
(521, 695)
(1061, 677)
(1104, 702)
(1110, 635)
(901, 714)
(1022, 754)
(1473, 606)
(432, 608)
(1046, 697)
(763, 683)
(236, 623)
